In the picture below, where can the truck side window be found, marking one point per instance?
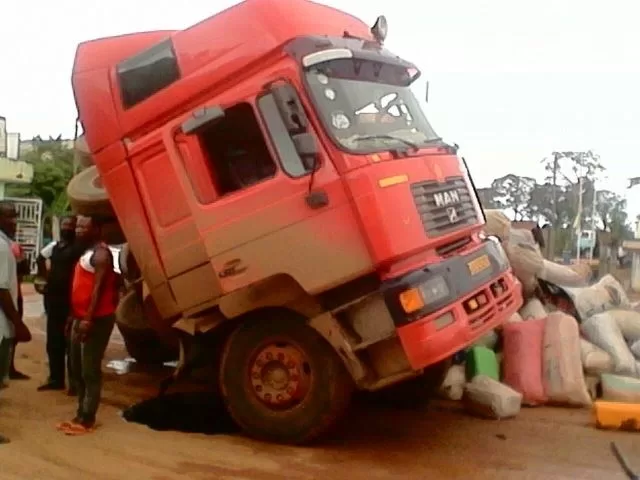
(236, 150)
(147, 72)
(289, 158)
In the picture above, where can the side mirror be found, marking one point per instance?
(306, 146)
(202, 117)
(290, 108)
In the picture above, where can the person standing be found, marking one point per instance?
(11, 326)
(63, 256)
(94, 298)
(22, 267)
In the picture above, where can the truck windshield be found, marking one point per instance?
(368, 106)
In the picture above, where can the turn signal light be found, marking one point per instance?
(411, 300)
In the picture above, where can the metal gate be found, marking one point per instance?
(29, 231)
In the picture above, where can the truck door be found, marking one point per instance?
(251, 177)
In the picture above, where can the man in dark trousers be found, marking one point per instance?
(94, 298)
(62, 256)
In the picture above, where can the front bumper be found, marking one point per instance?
(443, 328)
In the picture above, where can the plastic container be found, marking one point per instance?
(482, 361)
(615, 415)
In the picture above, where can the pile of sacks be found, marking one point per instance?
(526, 259)
(553, 352)
(532, 361)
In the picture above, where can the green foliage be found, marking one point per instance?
(52, 169)
(530, 200)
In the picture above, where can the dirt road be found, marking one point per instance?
(375, 443)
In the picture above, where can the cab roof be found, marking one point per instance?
(207, 54)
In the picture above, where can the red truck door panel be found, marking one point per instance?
(173, 226)
(256, 225)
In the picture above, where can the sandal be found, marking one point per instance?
(67, 423)
(75, 429)
(63, 425)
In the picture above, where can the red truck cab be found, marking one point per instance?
(272, 171)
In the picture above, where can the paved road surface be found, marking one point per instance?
(374, 443)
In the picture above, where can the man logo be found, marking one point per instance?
(452, 213)
(442, 199)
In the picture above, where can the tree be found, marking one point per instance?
(514, 192)
(611, 209)
(565, 170)
(488, 198)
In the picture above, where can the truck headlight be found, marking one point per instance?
(431, 291)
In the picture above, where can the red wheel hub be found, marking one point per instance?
(280, 375)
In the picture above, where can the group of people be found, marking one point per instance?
(81, 291)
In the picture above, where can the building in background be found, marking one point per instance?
(13, 170)
(3, 137)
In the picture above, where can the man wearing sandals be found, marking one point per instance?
(94, 298)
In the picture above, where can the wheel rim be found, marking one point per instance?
(280, 375)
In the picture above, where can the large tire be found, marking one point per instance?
(138, 325)
(87, 195)
(146, 347)
(130, 312)
(280, 348)
(81, 154)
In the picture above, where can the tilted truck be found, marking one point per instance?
(278, 183)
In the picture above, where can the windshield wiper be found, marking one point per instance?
(389, 137)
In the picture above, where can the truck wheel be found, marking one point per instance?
(415, 392)
(130, 312)
(81, 154)
(281, 381)
(146, 347)
(87, 196)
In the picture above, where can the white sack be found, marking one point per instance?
(595, 361)
(533, 309)
(486, 397)
(516, 317)
(498, 224)
(628, 322)
(452, 387)
(603, 331)
(561, 275)
(603, 295)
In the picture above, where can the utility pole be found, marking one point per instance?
(554, 204)
(579, 219)
(593, 220)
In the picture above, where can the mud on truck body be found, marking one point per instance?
(280, 187)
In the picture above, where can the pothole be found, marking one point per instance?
(193, 412)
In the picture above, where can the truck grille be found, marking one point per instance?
(444, 207)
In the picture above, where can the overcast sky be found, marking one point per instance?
(511, 80)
